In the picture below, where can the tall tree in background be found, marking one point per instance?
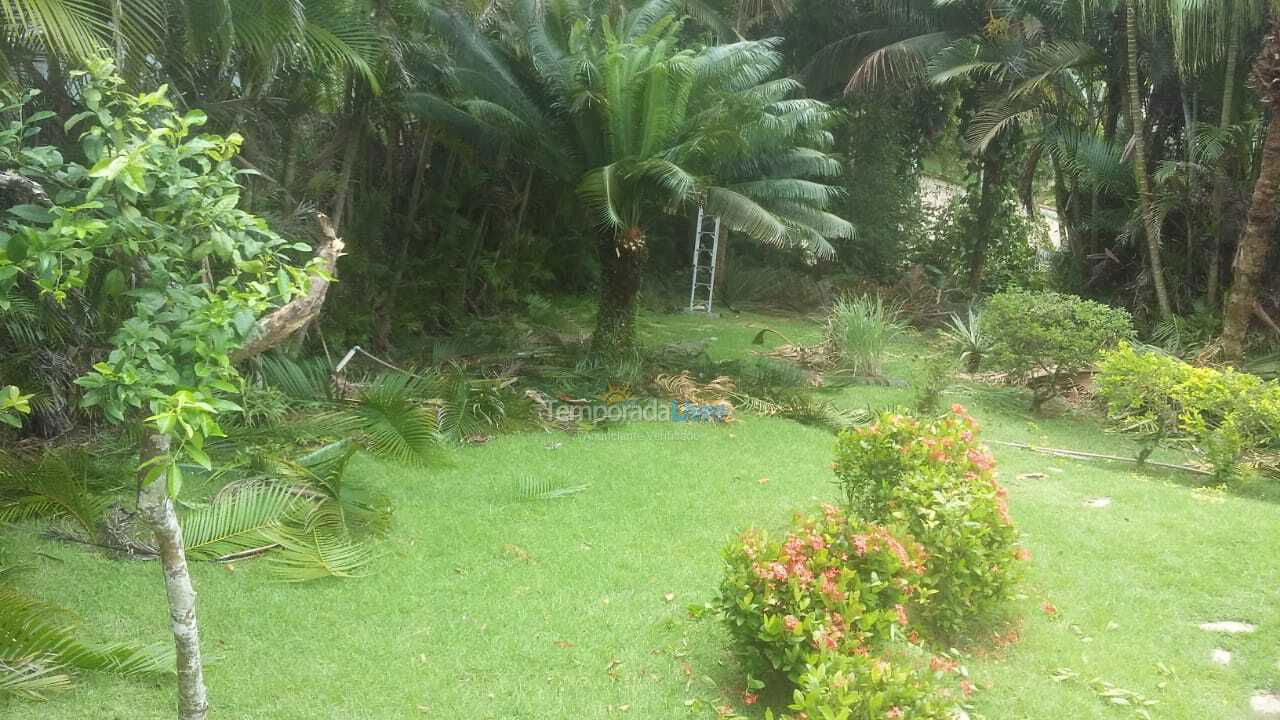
(1259, 233)
(1146, 205)
(646, 126)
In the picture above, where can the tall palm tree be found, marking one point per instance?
(1255, 244)
(615, 107)
(1138, 123)
(934, 41)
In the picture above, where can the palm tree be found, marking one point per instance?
(935, 41)
(1255, 244)
(1138, 123)
(614, 107)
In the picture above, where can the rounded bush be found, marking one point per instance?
(826, 585)
(935, 481)
(1044, 338)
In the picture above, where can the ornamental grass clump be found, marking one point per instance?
(860, 329)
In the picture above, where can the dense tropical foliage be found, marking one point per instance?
(203, 205)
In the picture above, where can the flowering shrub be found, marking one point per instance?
(934, 480)
(857, 686)
(1222, 413)
(828, 585)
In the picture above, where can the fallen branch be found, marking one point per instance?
(1261, 312)
(291, 317)
(27, 189)
(1079, 455)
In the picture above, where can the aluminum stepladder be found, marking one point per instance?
(706, 245)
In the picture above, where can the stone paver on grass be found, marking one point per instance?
(1266, 703)
(1230, 627)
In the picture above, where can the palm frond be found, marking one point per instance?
(393, 422)
(33, 629)
(79, 28)
(317, 547)
(302, 380)
(55, 487)
(548, 489)
(242, 521)
(31, 678)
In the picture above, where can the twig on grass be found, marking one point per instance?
(1080, 455)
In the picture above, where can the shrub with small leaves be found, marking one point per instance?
(1045, 338)
(934, 479)
(828, 584)
(1223, 414)
(860, 686)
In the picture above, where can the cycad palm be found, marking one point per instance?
(639, 125)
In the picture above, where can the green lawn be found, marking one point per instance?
(485, 605)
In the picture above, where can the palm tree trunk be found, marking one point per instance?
(622, 262)
(1221, 184)
(992, 176)
(157, 512)
(1145, 197)
(1255, 244)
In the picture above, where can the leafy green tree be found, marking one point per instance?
(620, 108)
(152, 218)
(13, 404)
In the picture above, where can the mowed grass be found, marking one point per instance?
(488, 605)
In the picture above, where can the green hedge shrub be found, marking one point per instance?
(1044, 338)
(827, 584)
(1222, 414)
(859, 686)
(933, 479)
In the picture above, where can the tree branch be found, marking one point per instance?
(286, 320)
(25, 188)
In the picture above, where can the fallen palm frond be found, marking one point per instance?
(548, 489)
(317, 546)
(239, 522)
(804, 409)
(685, 390)
(39, 645)
(31, 678)
(815, 357)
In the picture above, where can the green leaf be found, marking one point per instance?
(32, 214)
(14, 248)
(173, 482)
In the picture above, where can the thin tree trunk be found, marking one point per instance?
(1221, 184)
(1145, 197)
(344, 178)
(722, 261)
(1255, 244)
(157, 512)
(992, 176)
(524, 204)
(286, 174)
